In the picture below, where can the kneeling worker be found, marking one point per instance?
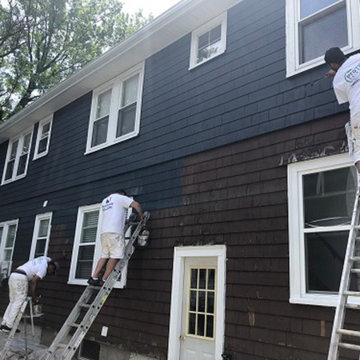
(28, 274)
(114, 210)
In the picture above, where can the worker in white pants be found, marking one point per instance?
(18, 289)
(28, 274)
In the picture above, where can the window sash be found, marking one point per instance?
(17, 158)
(41, 235)
(116, 122)
(43, 138)
(8, 231)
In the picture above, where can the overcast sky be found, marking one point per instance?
(155, 7)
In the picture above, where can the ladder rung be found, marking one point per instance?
(355, 258)
(355, 271)
(351, 293)
(74, 325)
(94, 287)
(349, 332)
(61, 346)
(352, 306)
(349, 346)
(87, 306)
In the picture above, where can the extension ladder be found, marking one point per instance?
(69, 347)
(19, 316)
(350, 261)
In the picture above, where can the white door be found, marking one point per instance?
(197, 339)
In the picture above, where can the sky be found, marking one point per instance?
(155, 7)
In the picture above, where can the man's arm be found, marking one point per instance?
(137, 207)
(33, 287)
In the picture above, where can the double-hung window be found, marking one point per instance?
(7, 241)
(321, 197)
(41, 235)
(208, 41)
(115, 111)
(87, 246)
(17, 157)
(314, 26)
(43, 138)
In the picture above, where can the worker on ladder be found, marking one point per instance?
(28, 274)
(113, 212)
(346, 84)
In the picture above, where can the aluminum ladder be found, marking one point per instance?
(19, 316)
(61, 347)
(351, 260)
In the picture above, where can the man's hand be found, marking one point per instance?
(331, 73)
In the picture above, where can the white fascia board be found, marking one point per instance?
(178, 21)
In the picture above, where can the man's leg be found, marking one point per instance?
(99, 266)
(109, 267)
(18, 289)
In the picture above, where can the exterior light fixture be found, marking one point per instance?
(143, 239)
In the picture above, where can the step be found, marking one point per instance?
(74, 325)
(61, 346)
(351, 293)
(355, 271)
(355, 258)
(84, 305)
(353, 306)
(349, 333)
(349, 346)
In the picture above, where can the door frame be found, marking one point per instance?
(180, 253)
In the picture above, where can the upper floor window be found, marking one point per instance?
(7, 241)
(17, 157)
(43, 138)
(41, 235)
(208, 41)
(115, 111)
(321, 196)
(335, 23)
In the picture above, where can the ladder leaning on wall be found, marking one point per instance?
(342, 338)
(92, 300)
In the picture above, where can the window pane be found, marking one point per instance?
(103, 104)
(10, 236)
(90, 223)
(13, 150)
(22, 165)
(40, 247)
(9, 169)
(211, 280)
(1, 233)
(330, 30)
(85, 259)
(208, 44)
(126, 120)
(202, 279)
(201, 325)
(43, 227)
(192, 324)
(194, 275)
(45, 130)
(324, 260)
(130, 89)
(201, 306)
(100, 131)
(193, 300)
(308, 7)
(7, 254)
(210, 302)
(210, 326)
(329, 197)
(215, 35)
(42, 145)
(26, 144)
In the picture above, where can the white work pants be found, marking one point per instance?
(18, 289)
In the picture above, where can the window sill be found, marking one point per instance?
(114, 142)
(194, 66)
(320, 300)
(5, 182)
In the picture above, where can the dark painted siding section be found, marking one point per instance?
(238, 95)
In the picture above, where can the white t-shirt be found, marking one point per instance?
(114, 211)
(36, 267)
(347, 84)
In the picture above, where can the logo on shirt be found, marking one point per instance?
(108, 204)
(352, 76)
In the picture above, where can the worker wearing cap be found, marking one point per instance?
(346, 84)
(114, 209)
(25, 276)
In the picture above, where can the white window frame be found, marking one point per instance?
(180, 254)
(219, 20)
(97, 251)
(297, 258)
(21, 138)
(42, 123)
(35, 237)
(116, 85)
(293, 65)
(5, 266)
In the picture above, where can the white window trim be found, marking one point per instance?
(39, 131)
(116, 86)
(180, 253)
(219, 20)
(38, 218)
(293, 66)
(3, 263)
(72, 280)
(298, 294)
(11, 141)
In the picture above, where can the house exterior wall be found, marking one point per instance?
(210, 163)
